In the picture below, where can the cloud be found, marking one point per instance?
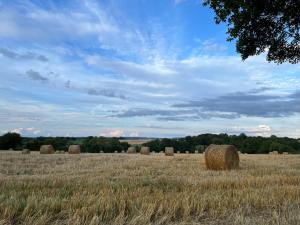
(36, 76)
(25, 56)
(260, 130)
(112, 133)
(212, 46)
(105, 92)
(249, 104)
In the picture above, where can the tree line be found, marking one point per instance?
(87, 144)
(244, 143)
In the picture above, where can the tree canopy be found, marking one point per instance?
(259, 26)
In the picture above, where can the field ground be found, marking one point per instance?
(136, 141)
(139, 189)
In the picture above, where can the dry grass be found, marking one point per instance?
(137, 141)
(135, 189)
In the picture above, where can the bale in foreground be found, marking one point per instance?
(131, 150)
(47, 149)
(145, 151)
(169, 151)
(221, 157)
(25, 151)
(74, 149)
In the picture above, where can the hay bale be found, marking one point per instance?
(196, 152)
(57, 152)
(123, 151)
(169, 151)
(285, 153)
(74, 149)
(131, 150)
(47, 149)
(62, 152)
(187, 152)
(145, 150)
(275, 153)
(25, 151)
(178, 152)
(116, 151)
(221, 157)
(101, 151)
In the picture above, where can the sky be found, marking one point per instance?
(135, 68)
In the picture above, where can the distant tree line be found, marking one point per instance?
(243, 143)
(198, 143)
(88, 144)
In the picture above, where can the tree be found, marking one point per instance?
(261, 25)
(10, 140)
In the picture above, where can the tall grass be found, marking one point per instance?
(135, 189)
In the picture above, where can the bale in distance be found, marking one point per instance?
(221, 157)
(187, 152)
(47, 149)
(116, 151)
(131, 150)
(285, 153)
(74, 149)
(169, 151)
(196, 151)
(145, 150)
(178, 152)
(25, 151)
(101, 151)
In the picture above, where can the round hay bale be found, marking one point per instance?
(47, 149)
(221, 157)
(116, 151)
(25, 151)
(187, 152)
(123, 151)
(57, 152)
(101, 151)
(145, 150)
(131, 150)
(169, 151)
(178, 152)
(62, 152)
(196, 151)
(285, 153)
(74, 149)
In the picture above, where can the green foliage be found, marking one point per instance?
(245, 144)
(260, 26)
(10, 140)
(98, 144)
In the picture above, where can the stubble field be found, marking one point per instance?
(139, 189)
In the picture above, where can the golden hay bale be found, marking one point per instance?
(62, 152)
(47, 149)
(178, 152)
(123, 151)
(145, 150)
(221, 157)
(169, 151)
(25, 151)
(285, 153)
(131, 150)
(74, 149)
(116, 151)
(196, 152)
(187, 152)
(101, 151)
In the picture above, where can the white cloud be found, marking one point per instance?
(112, 133)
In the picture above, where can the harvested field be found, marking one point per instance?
(137, 189)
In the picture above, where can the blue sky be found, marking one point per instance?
(135, 68)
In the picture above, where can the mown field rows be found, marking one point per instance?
(140, 189)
